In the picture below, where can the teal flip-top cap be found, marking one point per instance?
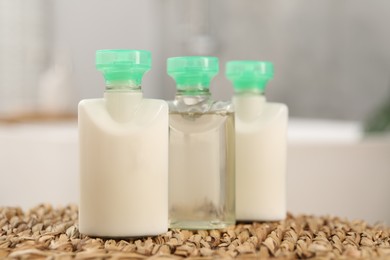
(192, 71)
(249, 74)
(122, 65)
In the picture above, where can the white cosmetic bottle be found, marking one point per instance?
(261, 144)
(123, 141)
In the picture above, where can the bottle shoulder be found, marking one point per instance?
(148, 113)
(253, 117)
(89, 102)
(162, 104)
(277, 108)
(277, 105)
(100, 102)
(199, 105)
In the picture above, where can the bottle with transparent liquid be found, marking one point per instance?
(261, 144)
(123, 141)
(201, 149)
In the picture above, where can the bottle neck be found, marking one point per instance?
(122, 86)
(248, 92)
(122, 99)
(248, 104)
(192, 99)
(197, 93)
(185, 94)
(192, 90)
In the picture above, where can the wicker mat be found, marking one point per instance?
(47, 233)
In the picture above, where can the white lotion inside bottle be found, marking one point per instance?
(261, 143)
(123, 155)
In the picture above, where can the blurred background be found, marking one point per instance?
(332, 69)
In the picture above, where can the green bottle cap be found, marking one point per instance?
(123, 65)
(247, 75)
(192, 73)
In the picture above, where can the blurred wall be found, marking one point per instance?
(331, 57)
(25, 41)
(82, 27)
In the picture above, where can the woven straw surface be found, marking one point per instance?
(47, 233)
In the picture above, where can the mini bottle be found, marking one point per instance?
(261, 142)
(201, 149)
(123, 140)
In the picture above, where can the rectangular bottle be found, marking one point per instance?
(261, 143)
(123, 142)
(201, 149)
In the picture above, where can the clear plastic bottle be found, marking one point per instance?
(201, 149)
(123, 152)
(261, 143)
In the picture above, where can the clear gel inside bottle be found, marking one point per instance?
(201, 146)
